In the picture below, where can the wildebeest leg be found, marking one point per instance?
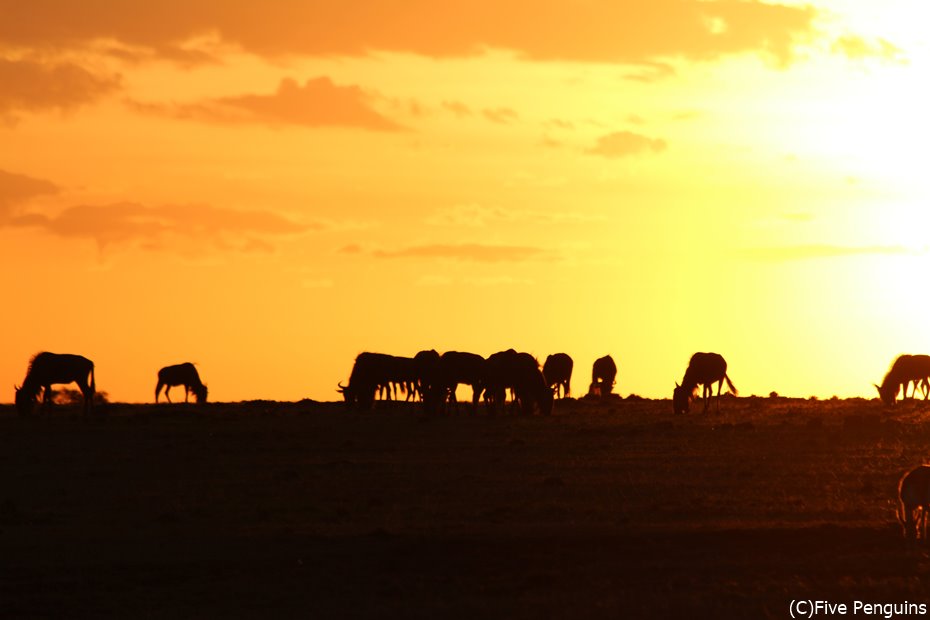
(88, 393)
(476, 391)
(167, 389)
(719, 387)
(187, 392)
(46, 392)
(158, 390)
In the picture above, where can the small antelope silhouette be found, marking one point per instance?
(905, 370)
(703, 369)
(181, 374)
(914, 500)
(47, 369)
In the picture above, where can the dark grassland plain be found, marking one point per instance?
(613, 510)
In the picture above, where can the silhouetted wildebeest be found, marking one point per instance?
(703, 369)
(904, 370)
(47, 369)
(403, 377)
(558, 373)
(603, 376)
(457, 367)
(400, 379)
(181, 374)
(521, 373)
(370, 372)
(428, 384)
(914, 502)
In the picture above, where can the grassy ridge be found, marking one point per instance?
(600, 510)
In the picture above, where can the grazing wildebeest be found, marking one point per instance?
(372, 371)
(403, 376)
(558, 373)
(914, 502)
(47, 369)
(904, 370)
(457, 367)
(703, 369)
(181, 374)
(521, 373)
(428, 383)
(603, 376)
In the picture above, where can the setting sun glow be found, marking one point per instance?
(269, 190)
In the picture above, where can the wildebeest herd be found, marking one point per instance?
(433, 379)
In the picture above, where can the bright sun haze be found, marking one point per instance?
(268, 190)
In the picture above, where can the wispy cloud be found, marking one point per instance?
(155, 227)
(18, 189)
(815, 251)
(859, 48)
(475, 215)
(502, 116)
(31, 86)
(317, 103)
(478, 252)
(650, 72)
(625, 144)
(559, 123)
(458, 108)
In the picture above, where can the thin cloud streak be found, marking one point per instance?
(153, 227)
(469, 252)
(317, 103)
(625, 144)
(817, 251)
(28, 85)
(858, 48)
(17, 189)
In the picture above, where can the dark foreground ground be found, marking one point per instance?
(618, 510)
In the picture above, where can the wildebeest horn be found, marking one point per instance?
(341, 388)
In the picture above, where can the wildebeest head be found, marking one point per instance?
(887, 393)
(24, 400)
(345, 391)
(200, 393)
(681, 399)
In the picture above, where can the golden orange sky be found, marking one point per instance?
(268, 190)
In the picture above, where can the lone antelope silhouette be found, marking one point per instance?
(48, 369)
(703, 369)
(558, 373)
(181, 374)
(603, 376)
(914, 502)
(904, 370)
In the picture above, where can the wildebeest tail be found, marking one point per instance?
(730, 386)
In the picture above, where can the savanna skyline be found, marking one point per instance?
(269, 193)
